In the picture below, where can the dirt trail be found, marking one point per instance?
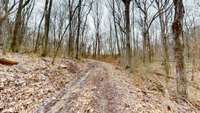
(101, 88)
(69, 86)
(98, 90)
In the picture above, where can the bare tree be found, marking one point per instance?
(147, 19)
(84, 29)
(5, 10)
(71, 34)
(18, 22)
(48, 6)
(78, 31)
(127, 20)
(23, 38)
(112, 5)
(97, 18)
(38, 34)
(177, 28)
(62, 34)
(164, 22)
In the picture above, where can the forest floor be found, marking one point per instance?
(87, 86)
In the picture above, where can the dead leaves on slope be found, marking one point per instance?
(33, 80)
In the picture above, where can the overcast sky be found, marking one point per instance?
(190, 6)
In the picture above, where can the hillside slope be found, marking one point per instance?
(69, 86)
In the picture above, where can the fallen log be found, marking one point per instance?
(7, 62)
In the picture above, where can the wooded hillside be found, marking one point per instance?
(154, 42)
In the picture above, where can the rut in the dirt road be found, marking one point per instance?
(55, 105)
(101, 88)
(93, 92)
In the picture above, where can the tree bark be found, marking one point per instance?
(177, 28)
(48, 7)
(115, 25)
(17, 28)
(38, 35)
(14, 44)
(71, 37)
(78, 31)
(128, 45)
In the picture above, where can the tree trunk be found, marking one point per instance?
(164, 34)
(78, 31)
(115, 25)
(38, 34)
(177, 28)
(14, 44)
(133, 32)
(144, 46)
(128, 45)
(166, 54)
(71, 37)
(5, 38)
(48, 7)
(149, 48)
(99, 46)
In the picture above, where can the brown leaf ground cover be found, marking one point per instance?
(69, 86)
